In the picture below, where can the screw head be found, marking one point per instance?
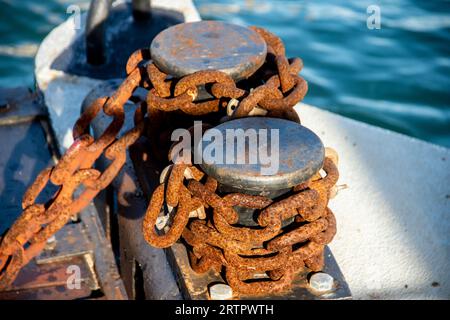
(321, 282)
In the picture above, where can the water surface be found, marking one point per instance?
(396, 77)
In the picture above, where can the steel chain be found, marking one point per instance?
(214, 238)
(216, 241)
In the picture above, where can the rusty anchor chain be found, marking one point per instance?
(246, 252)
(205, 219)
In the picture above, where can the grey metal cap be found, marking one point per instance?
(294, 153)
(208, 45)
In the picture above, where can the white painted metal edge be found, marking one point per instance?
(393, 218)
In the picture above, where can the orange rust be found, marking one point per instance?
(136, 58)
(218, 241)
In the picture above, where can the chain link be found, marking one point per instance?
(217, 241)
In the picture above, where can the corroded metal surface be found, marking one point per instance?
(49, 282)
(208, 45)
(195, 285)
(143, 269)
(218, 242)
(298, 155)
(28, 150)
(40, 221)
(213, 236)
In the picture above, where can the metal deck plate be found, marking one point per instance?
(195, 286)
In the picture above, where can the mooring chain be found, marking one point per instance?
(74, 171)
(276, 102)
(215, 239)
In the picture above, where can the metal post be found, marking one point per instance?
(95, 31)
(142, 10)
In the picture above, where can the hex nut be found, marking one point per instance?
(321, 282)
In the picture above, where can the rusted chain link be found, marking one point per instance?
(78, 183)
(206, 220)
(270, 250)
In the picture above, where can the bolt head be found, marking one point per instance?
(220, 291)
(51, 243)
(321, 282)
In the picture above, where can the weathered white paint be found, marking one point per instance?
(394, 217)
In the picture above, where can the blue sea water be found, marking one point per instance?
(396, 77)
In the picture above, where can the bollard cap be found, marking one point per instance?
(277, 153)
(208, 45)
